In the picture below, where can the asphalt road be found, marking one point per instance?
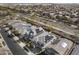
(13, 46)
(76, 50)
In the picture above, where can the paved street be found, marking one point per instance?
(76, 50)
(14, 47)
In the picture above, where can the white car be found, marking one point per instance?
(4, 25)
(15, 38)
(6, 28)
(9, 32)
(22, 44)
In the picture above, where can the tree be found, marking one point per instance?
(16, 33)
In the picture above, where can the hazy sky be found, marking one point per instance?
(39, 1)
